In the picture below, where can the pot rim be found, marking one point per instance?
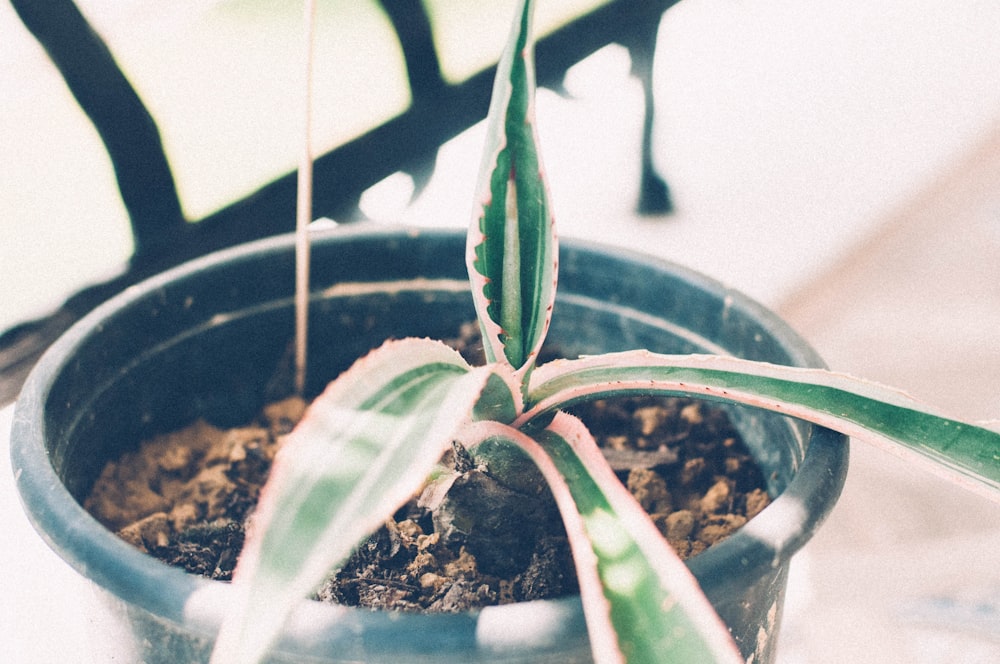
(768, 540)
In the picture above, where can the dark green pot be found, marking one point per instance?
(202, 341)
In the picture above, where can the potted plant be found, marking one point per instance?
(192, 342)
(201, 341)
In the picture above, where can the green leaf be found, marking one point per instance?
(965, 453)
(511, 245)
(641, 603)
(364, 447)
(501, 399)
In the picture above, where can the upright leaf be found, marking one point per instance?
(364, 447)
(965, 453)
(511, 251)
(641, 603)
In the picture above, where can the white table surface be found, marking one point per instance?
(38, 624)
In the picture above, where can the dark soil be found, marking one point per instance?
(469, 539)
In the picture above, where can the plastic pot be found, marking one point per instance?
(203, 340)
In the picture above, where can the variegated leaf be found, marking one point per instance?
(641, 603)
(511, 252)
(363, 448)
(965, 453)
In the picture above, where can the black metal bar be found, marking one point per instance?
(410, 141)
(654, 195)
(123, 123)
(413, 27)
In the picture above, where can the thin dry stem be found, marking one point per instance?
(303, 210)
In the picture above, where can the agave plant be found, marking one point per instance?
(373, 437)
